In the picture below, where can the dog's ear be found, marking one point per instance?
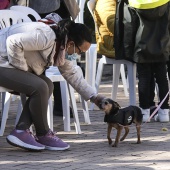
(116, 105)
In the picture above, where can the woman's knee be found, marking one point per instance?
(44, 89)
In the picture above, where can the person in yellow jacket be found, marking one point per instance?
(147, 4)
(104, 15)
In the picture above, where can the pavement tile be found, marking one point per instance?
(90, 150)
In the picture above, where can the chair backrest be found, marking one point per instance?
(9, 17)
(32, 14)
(80, 17)
(91, 6)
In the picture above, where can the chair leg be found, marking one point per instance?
(74, 107)
(5, 112)
(85, 111)
(132, 83)
(115, 83)
(124, 82)
(50, 113)
(91, 58)
(65, 105)
(98, 78)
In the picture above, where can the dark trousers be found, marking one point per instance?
(146, 72)
(38, 89)
(168, 68)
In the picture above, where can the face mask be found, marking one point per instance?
(73, 56)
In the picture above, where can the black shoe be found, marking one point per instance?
(60, 112)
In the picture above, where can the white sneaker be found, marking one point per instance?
(146, 114)
(163, 115)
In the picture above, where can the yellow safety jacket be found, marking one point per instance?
(147, 4)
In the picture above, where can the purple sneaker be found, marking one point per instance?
(52, 142)
(25, 140)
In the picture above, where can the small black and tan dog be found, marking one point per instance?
(120, 118)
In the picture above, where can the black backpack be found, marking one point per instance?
(126, 25)
(141, 36)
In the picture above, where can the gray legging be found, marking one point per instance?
(38, 89)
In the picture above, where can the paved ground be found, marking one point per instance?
(90, 150)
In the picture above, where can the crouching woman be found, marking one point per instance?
(27, 50)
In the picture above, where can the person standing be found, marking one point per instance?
(151, 53)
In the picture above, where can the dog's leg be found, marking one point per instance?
(138, 133)
(109, 129)
(119, 130)
(126, 133)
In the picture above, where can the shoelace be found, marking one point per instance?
(30, 133)
(52, 135)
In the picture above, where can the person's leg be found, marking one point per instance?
(152, 94)
(152, 90)
(35, 109)
(168, 68)
(144, 76)
(37, 88)
(37, 103)
(161, 79)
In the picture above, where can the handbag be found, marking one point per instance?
(126, 25)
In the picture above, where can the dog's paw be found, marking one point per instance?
(138, 142)
(115, 145)
(122, 139)
(110, 141)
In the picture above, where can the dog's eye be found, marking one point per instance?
(105, 103)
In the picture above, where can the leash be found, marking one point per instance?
(157, 108)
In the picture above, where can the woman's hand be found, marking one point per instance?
(97, 99)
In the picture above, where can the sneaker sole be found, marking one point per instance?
(14, 141)
(56, 149)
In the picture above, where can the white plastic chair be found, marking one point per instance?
(117, 67)
(80, 17)
(66, 92)
(31, 13)
(8, 18)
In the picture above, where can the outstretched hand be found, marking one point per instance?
(97, 100)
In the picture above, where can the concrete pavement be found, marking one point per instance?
(90, 150)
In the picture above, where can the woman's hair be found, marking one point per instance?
(74, 31)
